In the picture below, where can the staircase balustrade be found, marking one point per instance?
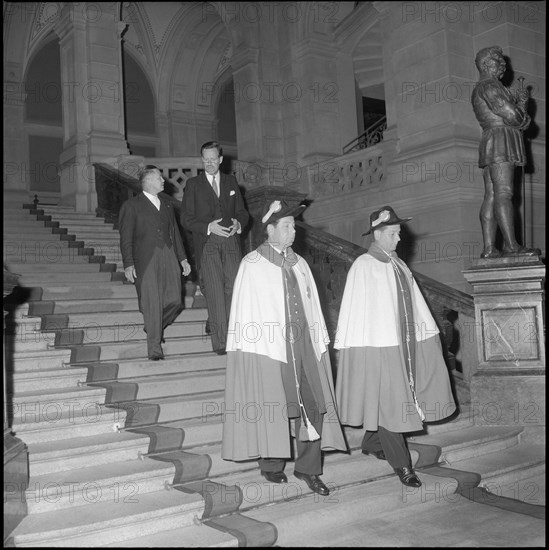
(176, 171)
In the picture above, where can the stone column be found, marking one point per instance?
(509, 385)
(93, 99)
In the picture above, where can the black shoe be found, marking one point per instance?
(156, 358)
(314, 482)
(408, 477)
(220, 351)
(275, 477)
(378, 454)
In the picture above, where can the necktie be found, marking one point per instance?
(215, 185)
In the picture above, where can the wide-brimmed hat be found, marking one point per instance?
(384, 216)
(274, 210)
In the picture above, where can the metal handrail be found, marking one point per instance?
(372, 135)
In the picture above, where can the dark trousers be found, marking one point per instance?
(392, 444)
(219, 266)
(159, 293)
(309, 456)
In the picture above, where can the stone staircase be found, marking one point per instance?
(126, 452)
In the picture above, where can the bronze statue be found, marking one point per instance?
(502, 116)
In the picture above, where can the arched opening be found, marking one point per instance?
(226, 120)
(140, 110)
(44, 120)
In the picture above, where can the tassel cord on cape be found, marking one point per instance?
(397, 269)
(310, 433)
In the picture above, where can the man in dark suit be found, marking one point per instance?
(213, 209)
(153, 256)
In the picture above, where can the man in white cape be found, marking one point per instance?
(391, 372)
(278, 368)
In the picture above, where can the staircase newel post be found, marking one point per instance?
(508, 387)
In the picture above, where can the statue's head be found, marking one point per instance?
(489, 56)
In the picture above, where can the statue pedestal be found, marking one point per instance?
(509, 386)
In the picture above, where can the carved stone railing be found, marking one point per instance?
(330, 259)
(361, 170)
(176, 171)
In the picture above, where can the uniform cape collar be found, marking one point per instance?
(275, 257)
(379, 254)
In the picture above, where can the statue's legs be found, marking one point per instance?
(488, 221)
(502, 175)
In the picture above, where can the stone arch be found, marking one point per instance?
(140, 107)
(223, 108)
(43, 98)
(361, 38)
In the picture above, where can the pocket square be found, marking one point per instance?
(233, 192)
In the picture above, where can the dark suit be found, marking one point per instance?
(217, 258)
(150, 240)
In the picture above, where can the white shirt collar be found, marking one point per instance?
(153, 198)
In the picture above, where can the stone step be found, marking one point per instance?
(83, 452)
(464, 418)
(97, 484)
(79, 264)
(193, 536)
(34, 341)
(498, 468)
(16, 214)
(90, 320)
(145, 412)
(130, 368)
(530, 489)
(31, 360)
(112, 522)
(138, 349)
(123, 333)
(68, 213)
(34, 380)
(60, 288)
(26, 230)
(42, 236)
(88, 234)
(25, 324)
(111, 252)
(85, 291)
(51, 253)
(456, 444)
(87, 226)
(204, 430)
(25, 224)
(351, 517)
(47, 403)
(33, 278)
(99, 305)
(165, 385)
(64, 422)
(80, 221)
